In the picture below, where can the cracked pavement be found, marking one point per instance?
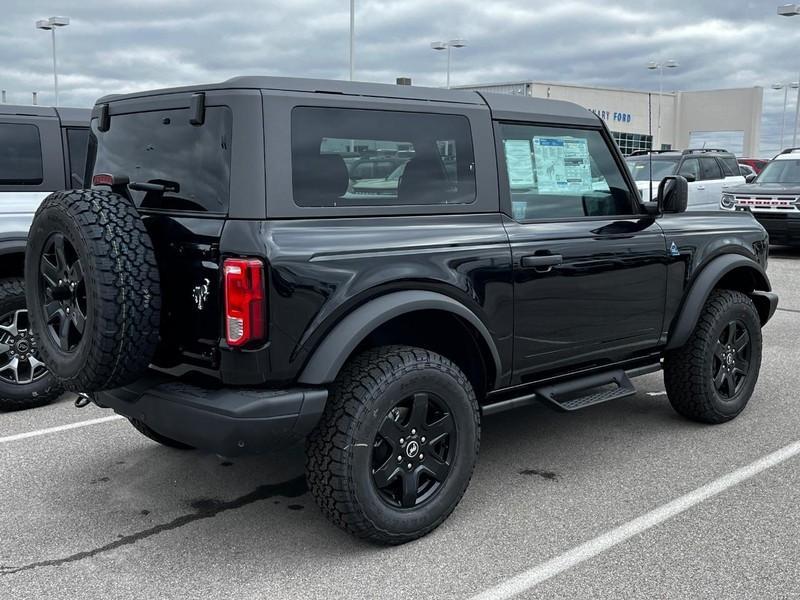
(101, 511)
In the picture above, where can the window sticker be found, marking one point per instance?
(562, 165)
(518, 163)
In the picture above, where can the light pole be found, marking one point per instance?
(457, 43)
(659, 66)
(791, 10)
(785, 87)
(352, 36)
(50, 25)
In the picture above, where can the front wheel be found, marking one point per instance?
(396, 446)
(711, 378)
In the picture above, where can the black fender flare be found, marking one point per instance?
(338, 345)
(13, 243)
(686, 320)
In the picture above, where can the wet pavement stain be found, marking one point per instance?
(295, 507)
(205, 508)
(549, 475)
(100, 480)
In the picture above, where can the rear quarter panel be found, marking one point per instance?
(320, 270)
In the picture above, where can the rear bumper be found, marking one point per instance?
(227, 421)
(782, 228)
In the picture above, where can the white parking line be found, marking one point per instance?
(544, 571)
(49, 430)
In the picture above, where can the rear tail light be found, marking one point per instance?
(245, 304)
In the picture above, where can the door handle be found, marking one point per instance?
(542, 262)
(701, 187)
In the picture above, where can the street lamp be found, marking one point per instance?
(50, 25)
(791, 10)
(352, 36)
(660, 66)
(785, 87)
(457, 43)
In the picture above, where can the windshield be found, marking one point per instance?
(662, 167)
(781, 171)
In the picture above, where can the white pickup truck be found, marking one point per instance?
(42, 150)
(707, 170)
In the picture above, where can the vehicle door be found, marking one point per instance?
(711, 178)
(690, 169)
(589, 268)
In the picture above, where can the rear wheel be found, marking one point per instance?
(25, 381)
(396, 447)
(711, 378)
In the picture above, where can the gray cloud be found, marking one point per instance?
(124, 45)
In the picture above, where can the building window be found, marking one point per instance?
(631, 142)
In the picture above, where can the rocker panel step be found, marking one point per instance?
(563, 395)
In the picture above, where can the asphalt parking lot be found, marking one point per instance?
(99, 511)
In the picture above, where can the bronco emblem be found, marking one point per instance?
(200, 294)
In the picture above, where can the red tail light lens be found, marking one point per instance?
(245, 304)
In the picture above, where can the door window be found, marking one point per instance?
(709, 168)
(20, 154)
(77, 145)
(690, 169)
(354, 157)
(558, 172)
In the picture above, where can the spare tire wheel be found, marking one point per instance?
(92, 288)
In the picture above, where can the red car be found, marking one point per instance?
(757, 163)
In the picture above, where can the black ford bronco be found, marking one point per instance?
(226, 285)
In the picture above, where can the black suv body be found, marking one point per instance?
(513, 262)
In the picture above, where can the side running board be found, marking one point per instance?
(587, 391)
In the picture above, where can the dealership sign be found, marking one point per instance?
(617, 117)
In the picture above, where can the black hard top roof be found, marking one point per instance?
(70, 117)
(502, 106)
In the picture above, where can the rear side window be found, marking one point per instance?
(354, 157)
(77, 146)
(561, 173)
(163, 147)
(20, 154)
(730, 166)
(709, 169)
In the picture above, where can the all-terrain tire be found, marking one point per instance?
(339, 451)
(689, 371)
(122, 288)
(44, 388)
(157, 437)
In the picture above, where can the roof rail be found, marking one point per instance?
(702, 150)
(788, 151)
(646, 152)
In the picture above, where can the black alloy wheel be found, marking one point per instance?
(63, 292)
(413, 450)
(20, 363)
(731, 363)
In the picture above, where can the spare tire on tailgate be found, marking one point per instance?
(92, 288)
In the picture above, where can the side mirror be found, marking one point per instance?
(673, 194)
(750, 178)
(690, 177)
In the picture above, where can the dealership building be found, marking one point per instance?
(729, 118)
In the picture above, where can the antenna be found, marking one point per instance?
(650, 130)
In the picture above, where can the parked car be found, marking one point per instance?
(748, 173)
(773, 198)
(235, 298)
(757, 164)
(707, 170)
(41, 150)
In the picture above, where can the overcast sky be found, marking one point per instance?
(125, 45)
